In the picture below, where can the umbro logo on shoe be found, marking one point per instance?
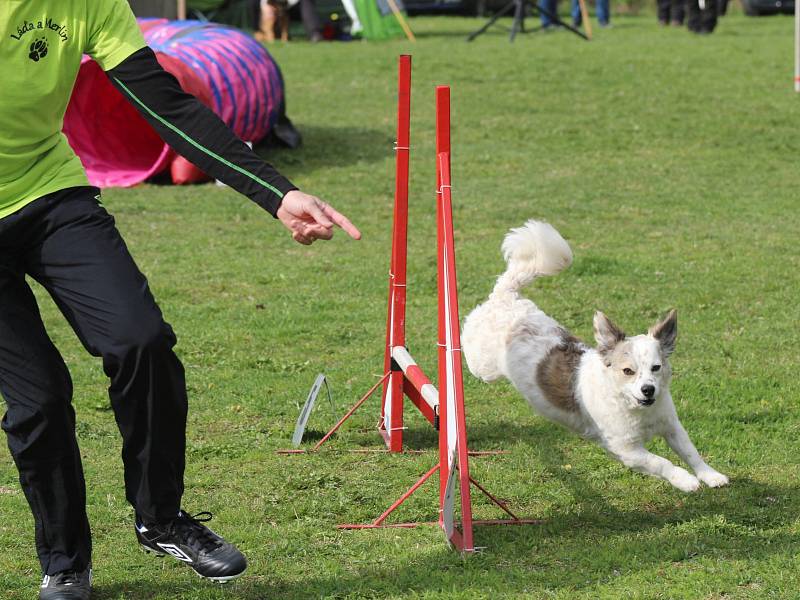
(173, 550)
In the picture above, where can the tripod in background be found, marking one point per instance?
(518, 24)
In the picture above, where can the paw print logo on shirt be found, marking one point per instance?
(38, 49)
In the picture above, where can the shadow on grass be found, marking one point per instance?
(596, 533)
(745, 504)
(669, 527)
(313, 435)
(596, 538)
(531, 558)
(325, 147)
(461, 33)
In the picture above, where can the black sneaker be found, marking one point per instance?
(188, 540)
(67, 585)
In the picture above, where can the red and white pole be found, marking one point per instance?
(452, 424)
(442, 145)
(392, 404)
(453, 396)
(797, 46)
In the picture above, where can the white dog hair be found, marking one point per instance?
(616, 394)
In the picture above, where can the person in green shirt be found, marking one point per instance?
(54, 230)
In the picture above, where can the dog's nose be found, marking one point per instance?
(648, 390)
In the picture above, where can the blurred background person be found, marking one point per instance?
(276, 12)
(547, 8)
(273, 20)
(603, 13)
(671, 12)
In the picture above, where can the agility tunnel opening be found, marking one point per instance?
(115, 144)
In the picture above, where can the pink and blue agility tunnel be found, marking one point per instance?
(225, 68)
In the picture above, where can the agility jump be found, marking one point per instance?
(403, 377)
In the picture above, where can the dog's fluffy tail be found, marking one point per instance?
(534, 250)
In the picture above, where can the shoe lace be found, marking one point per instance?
(191, 530)
(67, 578)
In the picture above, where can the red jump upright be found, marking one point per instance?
(405, 376)
(391, 424)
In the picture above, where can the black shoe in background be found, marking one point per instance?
(188, 540)
(67, 585)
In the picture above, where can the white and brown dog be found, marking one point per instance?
(616, 394)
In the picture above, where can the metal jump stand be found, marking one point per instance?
(518, 24)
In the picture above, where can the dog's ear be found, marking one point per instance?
(666, 331)
(606, 333)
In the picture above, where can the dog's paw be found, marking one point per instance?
(713, 478)
(684, 481)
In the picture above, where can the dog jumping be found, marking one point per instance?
(616, 394)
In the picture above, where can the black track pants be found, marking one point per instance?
(68, 242)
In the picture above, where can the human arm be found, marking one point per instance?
(196, 133)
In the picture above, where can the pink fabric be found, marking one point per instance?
(244, 80)
(116, 146)
(225, 68)
(184, 173)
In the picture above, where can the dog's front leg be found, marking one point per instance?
(639, 459)
(679, 441)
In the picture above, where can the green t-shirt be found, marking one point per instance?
(41, 45)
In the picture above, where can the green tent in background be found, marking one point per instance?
(377, 20)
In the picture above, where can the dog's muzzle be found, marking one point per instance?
(649, 392)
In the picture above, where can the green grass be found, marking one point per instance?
(669, 163)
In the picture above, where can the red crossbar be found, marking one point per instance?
(436, 523)
(415, 396)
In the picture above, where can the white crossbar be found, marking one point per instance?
(426, 389)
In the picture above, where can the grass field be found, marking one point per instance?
(668, 162)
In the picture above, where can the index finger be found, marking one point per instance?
(342, 221)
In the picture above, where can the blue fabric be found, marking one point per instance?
(550, 6)
(603, 13)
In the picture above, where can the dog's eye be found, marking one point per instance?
(628, 371)
(655, 368)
